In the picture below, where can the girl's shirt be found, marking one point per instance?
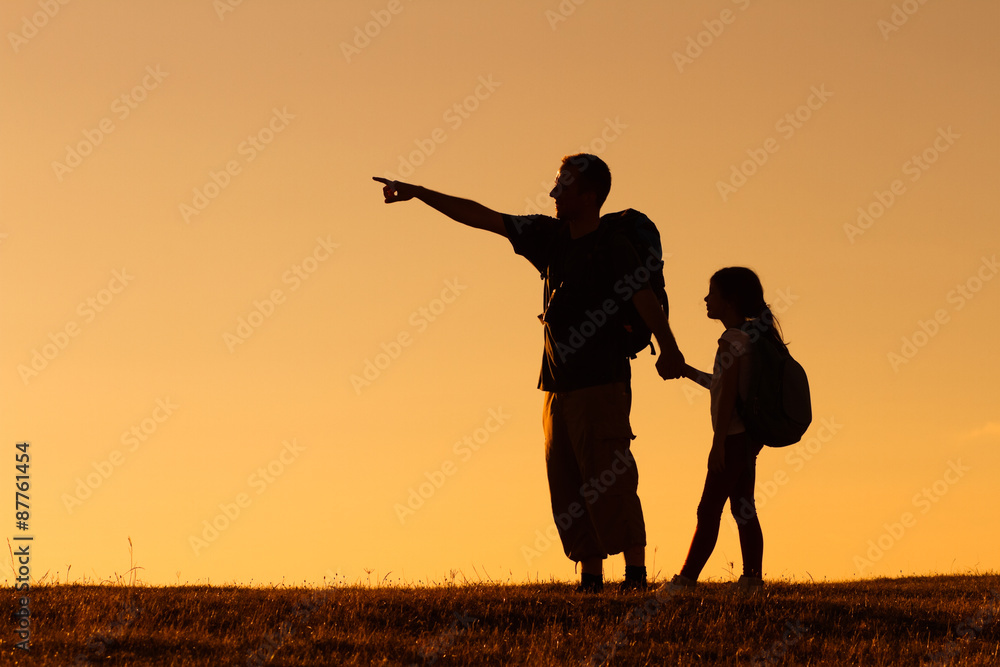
(740, 342)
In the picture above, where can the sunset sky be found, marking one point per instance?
(219, 342)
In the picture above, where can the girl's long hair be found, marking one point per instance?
(741, 286)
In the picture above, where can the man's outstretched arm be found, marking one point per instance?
(465, 211)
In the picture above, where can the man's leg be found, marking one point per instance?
(594, 566)
(636, 555)
(569, 509)
(598, 422)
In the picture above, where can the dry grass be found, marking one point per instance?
(910, 621)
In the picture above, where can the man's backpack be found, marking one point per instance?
(777, 410)
(645, 239)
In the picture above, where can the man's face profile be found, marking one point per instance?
(567, 194)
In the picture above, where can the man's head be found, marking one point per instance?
(583, 183)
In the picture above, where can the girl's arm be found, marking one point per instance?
(701, 377)
(728, 388)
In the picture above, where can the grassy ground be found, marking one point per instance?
(911, 621)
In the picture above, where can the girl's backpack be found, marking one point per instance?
(777, 409)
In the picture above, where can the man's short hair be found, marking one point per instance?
(593, 173)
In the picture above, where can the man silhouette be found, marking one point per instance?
(586, 377)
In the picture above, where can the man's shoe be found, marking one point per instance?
(635, 579)
(633, 585)
(590, 583)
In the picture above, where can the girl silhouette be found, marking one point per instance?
(736, 298)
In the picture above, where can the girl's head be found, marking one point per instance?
(741, 290)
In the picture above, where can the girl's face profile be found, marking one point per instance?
(714, 303)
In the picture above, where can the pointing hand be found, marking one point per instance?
(396, 190)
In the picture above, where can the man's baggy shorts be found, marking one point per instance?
(593, 479)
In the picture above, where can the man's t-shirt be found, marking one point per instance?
(588, 283)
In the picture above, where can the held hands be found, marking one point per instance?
(670, 364)
(396, 190)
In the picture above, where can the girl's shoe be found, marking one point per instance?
(748, 584)
(680, 582)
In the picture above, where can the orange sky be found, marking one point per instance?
(210, 317)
